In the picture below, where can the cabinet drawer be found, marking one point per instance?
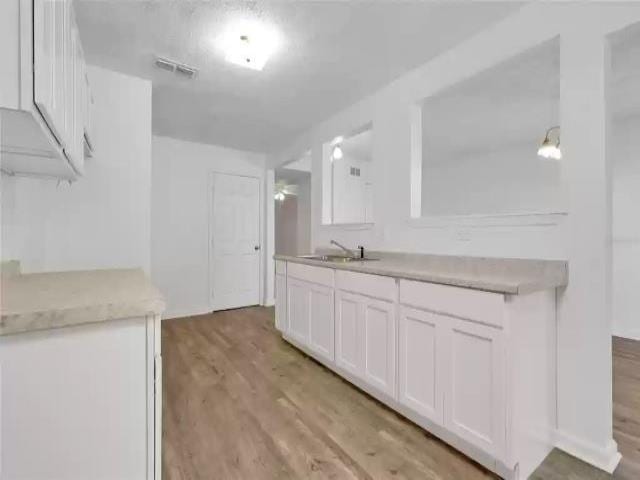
(319, 275)
(484, 307)
(375, 286)
(281, 267)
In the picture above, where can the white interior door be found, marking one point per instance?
(235, 242)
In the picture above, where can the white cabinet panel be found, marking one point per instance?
(321, 320)
(380, 344)
(75, 402)
(348, 332)
(298, 309)
(420, 363)
(475, 391)
(484, 307)
(281, 303)
(43, 133)
(45, 75)
(365, 339)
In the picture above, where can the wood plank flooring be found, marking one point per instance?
(240, 403)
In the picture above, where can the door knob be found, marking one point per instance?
(256, 247)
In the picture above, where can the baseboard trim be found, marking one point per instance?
(269, 302)
(172, 315)
(606, 459)
(630, 333)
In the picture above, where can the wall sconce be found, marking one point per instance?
(549, 149)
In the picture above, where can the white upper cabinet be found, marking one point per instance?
(46, 112)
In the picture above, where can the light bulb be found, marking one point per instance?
(550, 151)
(337, 153)
(279, 196)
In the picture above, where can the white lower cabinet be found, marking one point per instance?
(310, 309)
(82, 402)
(474, 367)
(349, 332)
(321, 324)
(379, 339)
(420, 365)
(366, 329)
(281, 302)
(474, 405)
(298, 301)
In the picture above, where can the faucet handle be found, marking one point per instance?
(361, 248)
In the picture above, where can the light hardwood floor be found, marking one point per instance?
(240, 403)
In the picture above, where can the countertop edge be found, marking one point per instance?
(487, 286)
(17, 323)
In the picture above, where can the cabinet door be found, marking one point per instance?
(69, 79)
(46, 33)
(474, 405)
(298, 301)
(379, 344)
(77, 158)
(420, 362)
(349, 351)
(281, 303)
(75, 402)
(321, 326)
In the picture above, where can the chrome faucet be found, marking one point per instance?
(349, 251)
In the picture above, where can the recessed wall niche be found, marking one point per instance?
(479, 140)
(348, 178)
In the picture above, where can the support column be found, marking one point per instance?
(584, 324)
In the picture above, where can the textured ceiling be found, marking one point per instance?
(334, 53)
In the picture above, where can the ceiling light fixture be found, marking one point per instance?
(337, 153)
(549, 149)
(249, 43)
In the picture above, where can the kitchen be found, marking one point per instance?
(166, 168)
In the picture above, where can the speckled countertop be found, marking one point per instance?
(41, 301)
(502, 275)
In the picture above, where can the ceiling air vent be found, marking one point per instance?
(186, 71)
(175, 67)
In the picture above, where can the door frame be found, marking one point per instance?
(261, 236)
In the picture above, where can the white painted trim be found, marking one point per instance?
(415, 173)
(606, 459)
(525, 219)
(632, 333)
(269, 302)
(172, 315)
(348, 226)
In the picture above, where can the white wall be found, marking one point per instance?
(102, 220)
(626, 227)
(582, 236)
(286, 223)
(180, 216)
(504, 181)
(350, 199)
(304, 216)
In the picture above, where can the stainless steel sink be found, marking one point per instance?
(336, 258)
